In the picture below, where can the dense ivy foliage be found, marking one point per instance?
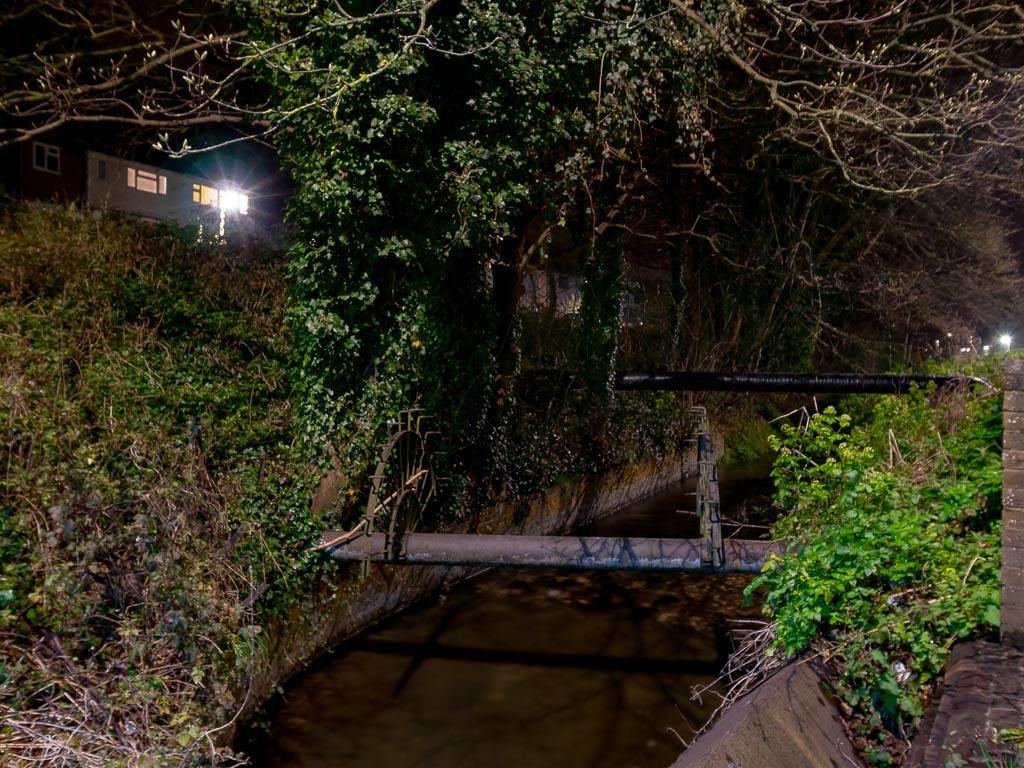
(446, 155)
(430, 179)
(893, 518)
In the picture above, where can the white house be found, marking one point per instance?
(155, 194)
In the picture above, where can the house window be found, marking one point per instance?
(146, 181)
(45, 157)
(101, 169)
(204, 195)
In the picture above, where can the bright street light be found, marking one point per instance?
(233, 201)
(1006, 340)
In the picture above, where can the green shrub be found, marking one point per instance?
(894, 553)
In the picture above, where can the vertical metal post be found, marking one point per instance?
(708, 498)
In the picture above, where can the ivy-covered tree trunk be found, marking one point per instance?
(601, 316)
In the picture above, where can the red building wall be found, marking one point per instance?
(63, 180)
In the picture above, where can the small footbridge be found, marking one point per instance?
(403, 485)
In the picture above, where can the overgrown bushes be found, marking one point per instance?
(894, 525)
(145, 393)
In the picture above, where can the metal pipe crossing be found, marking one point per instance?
(399, 545)
(567, 552)
(709, 553)
(785, 382)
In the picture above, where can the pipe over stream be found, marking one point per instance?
(572, 552)
(699, 381)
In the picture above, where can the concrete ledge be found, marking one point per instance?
(787, 722)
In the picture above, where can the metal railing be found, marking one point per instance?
(709, 507)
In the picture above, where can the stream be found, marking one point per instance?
(530, 668)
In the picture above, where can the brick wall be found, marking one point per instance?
(1013, 504)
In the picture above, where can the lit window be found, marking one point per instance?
(45, 157)
(131, 177)
(204, 195)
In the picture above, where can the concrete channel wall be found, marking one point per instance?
(786, 722)
(349, 605)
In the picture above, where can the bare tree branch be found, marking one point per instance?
(899, 97)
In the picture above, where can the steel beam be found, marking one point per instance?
(572, 552)
(698, 381)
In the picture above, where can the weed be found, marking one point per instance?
(894, 548)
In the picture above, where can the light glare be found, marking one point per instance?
(232, 201)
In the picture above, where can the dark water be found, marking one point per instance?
(744, 489)
(525, 668)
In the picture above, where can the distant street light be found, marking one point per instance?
(1006, 339)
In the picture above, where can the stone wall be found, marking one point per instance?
(983, 692)
(1012, 619)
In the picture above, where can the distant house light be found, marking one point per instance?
(227, 200)
(204, 195)
(45, 157)
(232, 201)
(146, 182)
